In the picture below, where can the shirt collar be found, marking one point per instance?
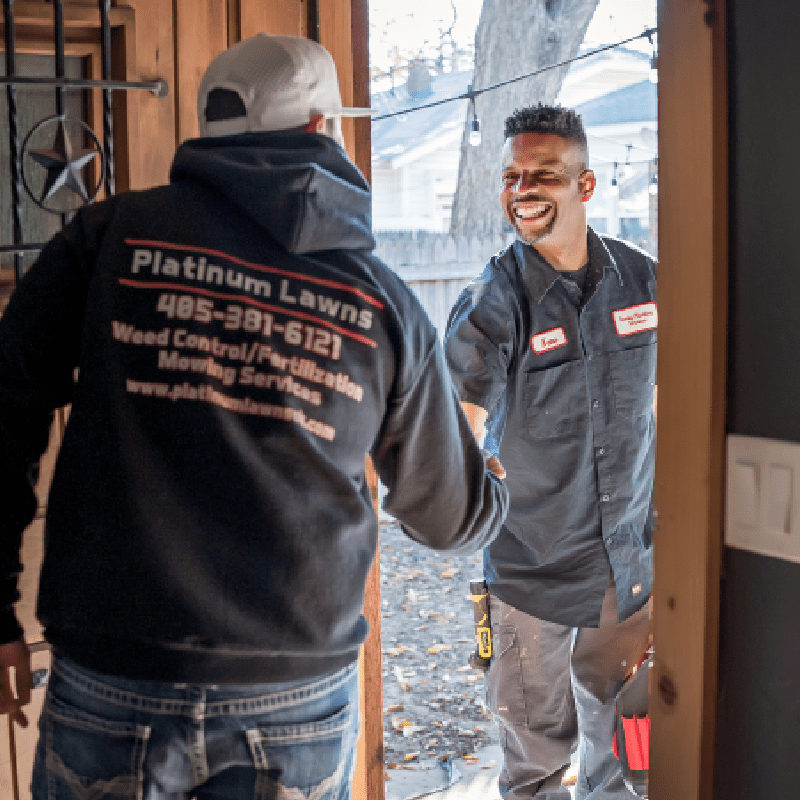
(539, 275)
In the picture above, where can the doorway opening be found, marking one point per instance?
(436, 142)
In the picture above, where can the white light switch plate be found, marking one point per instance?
(762, 506)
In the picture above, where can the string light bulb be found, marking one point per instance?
(474, 127)
(653, 58)
(627, 170)
(653, 188)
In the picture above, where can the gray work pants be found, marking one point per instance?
(552, 687)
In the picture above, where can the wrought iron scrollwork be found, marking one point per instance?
(66, 158)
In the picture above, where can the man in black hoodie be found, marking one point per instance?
(209, 527)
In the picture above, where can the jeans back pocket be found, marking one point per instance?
(85, 756)
(305, 759)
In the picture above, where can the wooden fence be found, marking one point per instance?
(437, 266)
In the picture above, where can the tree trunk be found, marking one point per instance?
(513, 37)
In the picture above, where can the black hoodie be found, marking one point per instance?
(231, 351)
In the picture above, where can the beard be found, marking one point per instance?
(536, 236)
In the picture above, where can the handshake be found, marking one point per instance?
(493, 464)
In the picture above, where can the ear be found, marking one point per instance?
(316, 124)
(588, 182)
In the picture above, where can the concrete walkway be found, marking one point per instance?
(434, 781)
(465, 781)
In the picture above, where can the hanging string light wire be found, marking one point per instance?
(473, 93)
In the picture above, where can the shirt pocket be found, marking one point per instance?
(633, 375)
(555, 401)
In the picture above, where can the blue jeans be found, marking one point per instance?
(107, 737)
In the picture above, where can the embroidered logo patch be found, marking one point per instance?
(549, 340)
(636, 319)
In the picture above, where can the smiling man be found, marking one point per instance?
(553, 351)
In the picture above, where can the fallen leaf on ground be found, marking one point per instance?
(438, 648)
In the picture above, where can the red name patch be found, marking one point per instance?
(549, 340)
(636, 319)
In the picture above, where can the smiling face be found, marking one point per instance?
(543, 188)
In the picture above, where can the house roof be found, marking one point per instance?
(635, 103)
(400, 135)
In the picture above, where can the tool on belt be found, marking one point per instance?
(631, 735)
(479, 592)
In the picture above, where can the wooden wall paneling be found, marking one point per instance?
(287, 17)
(362, 127)
(336, 35)
(201, 33)
(690, 458)
(151, 153)
(234, 22)
(126, 105)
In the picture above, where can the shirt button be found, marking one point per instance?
(605, 497)
(595, 404)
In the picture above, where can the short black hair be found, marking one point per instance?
(563, 122)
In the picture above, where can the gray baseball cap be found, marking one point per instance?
(282, 82)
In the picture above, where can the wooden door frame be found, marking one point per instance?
(344, 31)
(692, 368)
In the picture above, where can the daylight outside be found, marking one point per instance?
(444, 76)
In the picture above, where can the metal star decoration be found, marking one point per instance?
(63, 164)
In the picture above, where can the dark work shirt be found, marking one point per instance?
(578, 277)
(569, 388)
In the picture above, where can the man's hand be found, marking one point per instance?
(15, 655)
(493, 464)
(476, 417)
